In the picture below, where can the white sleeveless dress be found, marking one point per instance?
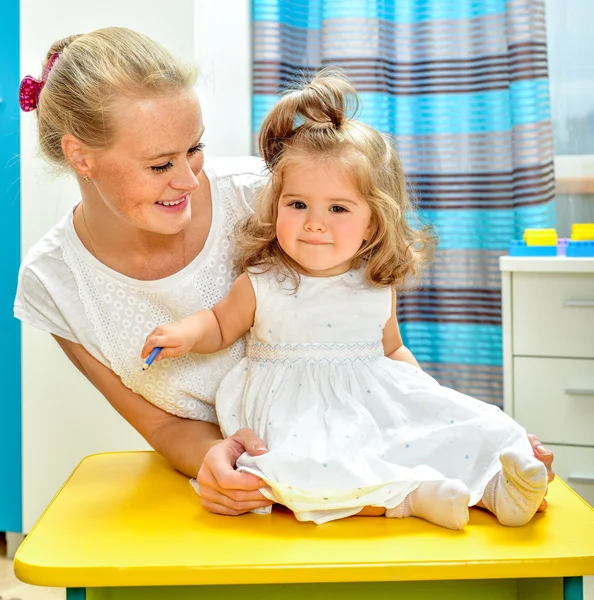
(347, 427)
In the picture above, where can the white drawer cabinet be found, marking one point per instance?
(548, 358)
(554, 397)
(575, 465)
(553, 314)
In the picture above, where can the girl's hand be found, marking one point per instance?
(546, 457)
(175, 339)
(225, 491)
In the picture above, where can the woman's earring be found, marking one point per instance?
(86, 179)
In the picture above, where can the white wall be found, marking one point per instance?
(223, 48)
(64, 418)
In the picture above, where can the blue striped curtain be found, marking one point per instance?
(462, 85)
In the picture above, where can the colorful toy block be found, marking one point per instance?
(545, 242)
(582, 232)
(583, 249)
(562, 246)
(540, 237)
(520, 248)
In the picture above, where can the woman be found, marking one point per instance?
(148, 243)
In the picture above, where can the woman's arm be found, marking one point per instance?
(207, 331)
(183, 442)
(392, 340)
(192, 447)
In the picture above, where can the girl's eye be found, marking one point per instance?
(162, 168)
(338, 209)
(298, 205)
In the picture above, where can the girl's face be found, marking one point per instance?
(322, 220)
(150, 169)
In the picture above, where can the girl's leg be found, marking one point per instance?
(372, 511)
(517, 491)
(444, 503)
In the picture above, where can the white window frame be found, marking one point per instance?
(574, 174)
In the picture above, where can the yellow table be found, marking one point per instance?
(125, 526)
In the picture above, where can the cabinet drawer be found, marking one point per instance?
(576, 467)
(554, 398)
(553, 314)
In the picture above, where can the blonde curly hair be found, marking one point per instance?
(315, 121)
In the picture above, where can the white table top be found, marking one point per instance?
(547, 264)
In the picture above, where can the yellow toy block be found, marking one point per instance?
(582, 232)
(540, 237)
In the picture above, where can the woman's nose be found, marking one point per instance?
(186, 179)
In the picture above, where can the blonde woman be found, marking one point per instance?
(146, 242)
(350, 420)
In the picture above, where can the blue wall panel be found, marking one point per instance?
(10, 391)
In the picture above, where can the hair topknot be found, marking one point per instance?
(324, 104)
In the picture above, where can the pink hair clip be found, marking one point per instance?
(30, 87)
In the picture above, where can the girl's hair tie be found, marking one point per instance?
(30, 87)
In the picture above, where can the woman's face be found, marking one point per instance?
(151, 167)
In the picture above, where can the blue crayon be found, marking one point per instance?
(150, 359)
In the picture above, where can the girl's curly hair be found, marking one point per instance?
(315, 122)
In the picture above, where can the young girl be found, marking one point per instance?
(349, 418)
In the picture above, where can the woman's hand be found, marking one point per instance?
(176, 339)
(546, 457)
(224, 490)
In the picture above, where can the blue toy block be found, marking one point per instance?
(562, 246)
(520, 248)
(581, 249)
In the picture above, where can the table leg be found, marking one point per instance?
(573, 588)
